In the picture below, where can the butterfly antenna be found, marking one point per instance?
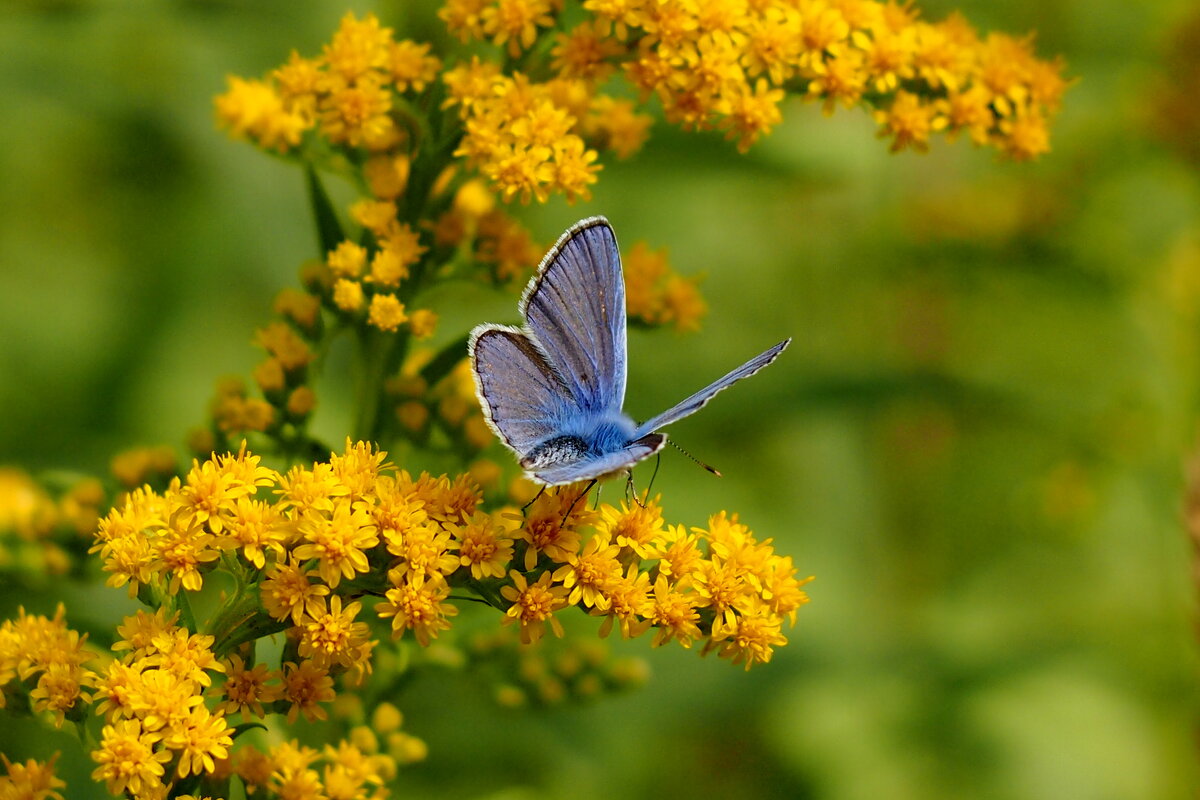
(698, 462)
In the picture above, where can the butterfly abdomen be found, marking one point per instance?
(558, 450)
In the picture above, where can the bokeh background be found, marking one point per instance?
(976, 442)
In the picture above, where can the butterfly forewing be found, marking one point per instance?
(697, 401)
(575, 309)
(522, 396)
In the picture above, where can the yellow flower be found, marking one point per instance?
(484, 546)
(245, 689)
(399, 250)
(189, 657)
(256, 527)
(348, 295)
(358, 468)
(57, 691)
(411, 66)
(357, 113)
(387, 175)
(252, 109)
(299, 81)
(183, 550)
(752, 639)
(339, 541)
(313, 489)
(589, 574)
(386, 313)
(721, 587)
(638, 527)
(426, 549)
(674, 614)
(545, 531)
(377, 216)
(971, 111)
(910, 122)
(573, 170)
(305, 686)
(358, 47)
(417, 603)
(628, 603)
(200, 738)
(423, 323)
(301, 402)
(1025, 136)
(752, 113)
(515, 22)
(679, 555)
(584, 52)
(281, 341)
(115, 690)
(533, 605)
(287, 592)
(347, 259)
(269, 376)
(464, 18)
(31, 780)
(333, 637)
(127, 758)
(139, 631)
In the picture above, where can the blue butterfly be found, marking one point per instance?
(553, 390)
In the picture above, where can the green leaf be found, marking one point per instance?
(329, 229)
(247, 726)
(445, 361)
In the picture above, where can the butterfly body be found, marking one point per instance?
(553, 390)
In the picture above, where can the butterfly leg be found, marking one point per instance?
(631, 491)
(525, 507)
(575, 502)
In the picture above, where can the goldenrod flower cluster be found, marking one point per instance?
(326, 536)
(39, 531)
(719, 64)
(43, 653)
(31, 780)
(166, 719)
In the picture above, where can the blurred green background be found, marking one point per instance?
(976, 442)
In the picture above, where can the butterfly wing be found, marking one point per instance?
(697, 401)
(524, 400)
(593, 467)
(574, 309)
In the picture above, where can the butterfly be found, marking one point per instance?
(553, 390)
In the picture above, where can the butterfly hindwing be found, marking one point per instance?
(523, 398)
(698, 400)
(575, 310)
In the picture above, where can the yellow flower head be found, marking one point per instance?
(417, 603)
(533, 605)
(386, 312)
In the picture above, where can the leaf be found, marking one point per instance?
(445, 361)
(329, 230)
(247, 726)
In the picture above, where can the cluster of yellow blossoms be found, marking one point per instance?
(712, 64)
(342, 530)
(38, 530)
(728, 64)
(163, 733)
(309, 553)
